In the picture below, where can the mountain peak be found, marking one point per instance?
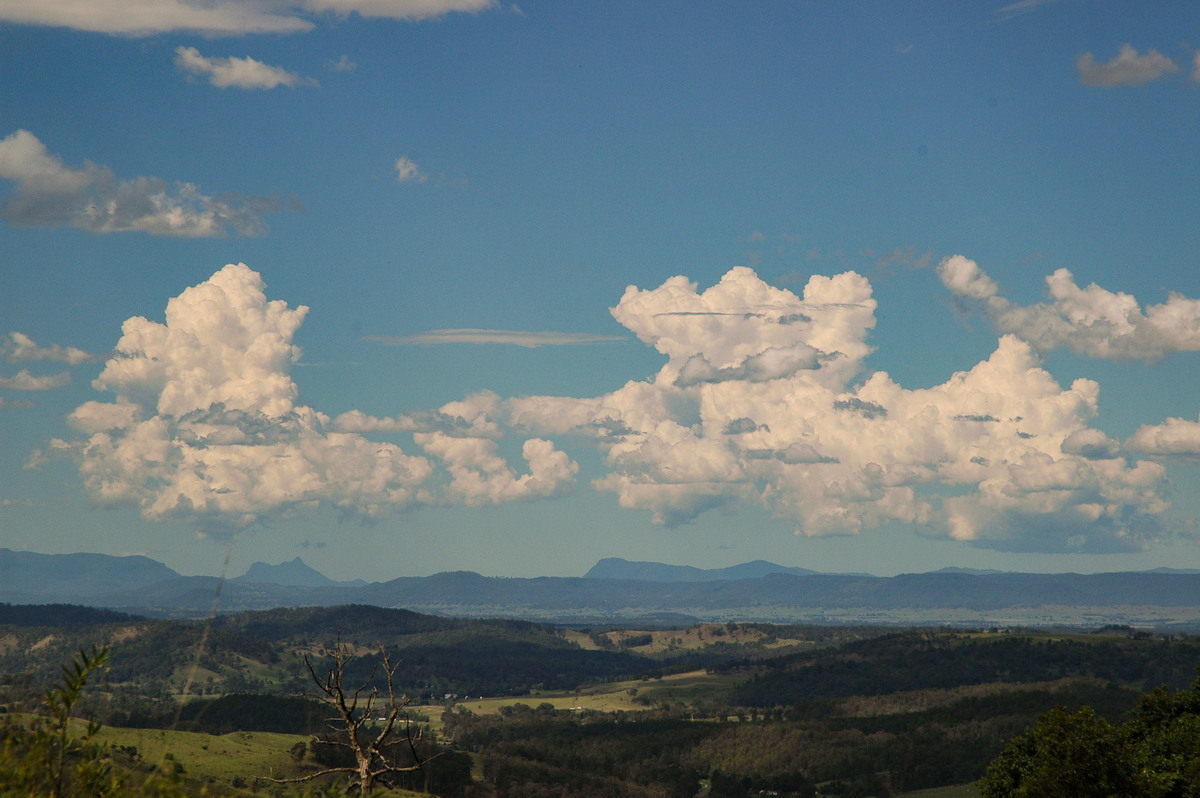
(617, 568)
(295, 573)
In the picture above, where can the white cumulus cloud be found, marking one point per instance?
(766, 398)
(205, 427)
(20, 348)
(218, 17)
(480, 476)
(49, 193)
(407, 171)
(998, 456)
(964, 277)
(1175, 437)
(1090, 321)
(1129, 68)
(24, 380)
(241, 73)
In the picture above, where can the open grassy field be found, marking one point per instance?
(211, 758)
(630, 696)
(237, 764)
(956, 791)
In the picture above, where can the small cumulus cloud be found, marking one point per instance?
(23, 380)
(1174, 438)
(964, 278)
(17, 347)
(1090, 321)
(20, 348)
(343, 64)
(407, 171)
(218, 17)
(241, 73)
(530, 340)
(50, 194)
(1129, 68)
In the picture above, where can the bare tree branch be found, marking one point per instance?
(370, 763)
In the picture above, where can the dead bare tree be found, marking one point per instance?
(354, 709)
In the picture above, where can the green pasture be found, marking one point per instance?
(955, 791)
(633, 695)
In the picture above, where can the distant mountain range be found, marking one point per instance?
(618, 590)
(616, 568)
(295, 573)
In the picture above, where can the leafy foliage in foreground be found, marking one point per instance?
(1155, 753)
(47, 759)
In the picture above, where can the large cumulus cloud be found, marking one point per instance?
(998, 456)
(765, 398)
(205, 426)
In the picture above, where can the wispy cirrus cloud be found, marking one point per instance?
(1129, 68)
(217, 18)
(233, 72)
(530, 340)
(1020, 8)
(51, 194)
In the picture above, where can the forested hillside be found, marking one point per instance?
(715, 709)
(154, 660)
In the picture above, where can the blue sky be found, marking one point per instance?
(404, 286)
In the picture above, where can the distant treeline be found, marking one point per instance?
(229, 713)
(52, 615)
(540, 751)
(919, 660)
